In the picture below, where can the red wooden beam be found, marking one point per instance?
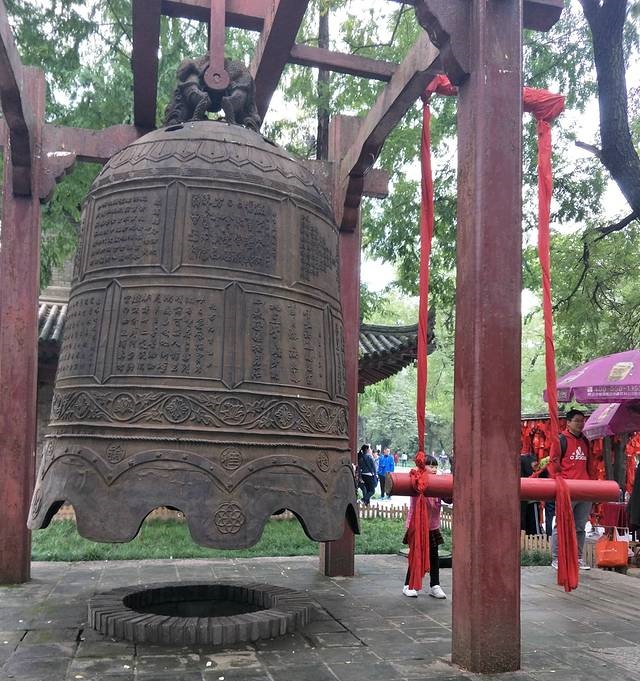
(215, 77)
(486, 602)
(93, 146)
(64, 146)
(249, 14)
(246, 14)
(337, 557)
(19, 288)
(278, 36)
(531, 489)
(144, 61)
(539, 15)
(406, 85)
(354, 65)
(16, 111)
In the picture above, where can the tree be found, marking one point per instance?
(86, 47)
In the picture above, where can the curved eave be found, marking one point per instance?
(385, 350)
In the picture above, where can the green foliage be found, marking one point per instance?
(603, 315)
(531, 558)
(533, 368)
(84, 48)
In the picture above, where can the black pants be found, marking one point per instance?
(434, 565)
(549, 512)
(381, 479)
(368, 488)
(529, 517)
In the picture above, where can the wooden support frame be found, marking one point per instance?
(144, 61)
(337, 558)
(486, 591)
(18, 115)
(246, 14)
(274, 46)
(19, 288)
(538, 15)
(406, 85)
(481, 641)
(351, 64)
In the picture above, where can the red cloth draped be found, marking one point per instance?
(567, 543)
(419, 526)
(426, 237)
(546, 106)
(440, 85)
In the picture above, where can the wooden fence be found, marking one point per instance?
(388, 511)
(535, 542)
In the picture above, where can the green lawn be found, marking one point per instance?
(171, 539)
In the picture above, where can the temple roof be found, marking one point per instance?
(383, 350)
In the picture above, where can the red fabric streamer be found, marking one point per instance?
(567, 543)
(440, 85)
(426, 237)
(546, 106)
(419, 526)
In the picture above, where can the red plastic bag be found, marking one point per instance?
(612, 551)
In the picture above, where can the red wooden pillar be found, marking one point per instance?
(19, 289)
(337, 557)
(486, 579)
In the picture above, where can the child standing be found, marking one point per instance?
(435, 539)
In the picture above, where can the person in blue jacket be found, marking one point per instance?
(386, 465)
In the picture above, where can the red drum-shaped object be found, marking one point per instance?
(202, 366)
(531, 489)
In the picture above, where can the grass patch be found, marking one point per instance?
(171, 539)
(535, 558)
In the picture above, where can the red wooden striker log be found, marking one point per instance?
(531, 489)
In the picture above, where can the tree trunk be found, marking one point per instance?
(322, 143)
(606, 19)
(620, 463)
(608, 459)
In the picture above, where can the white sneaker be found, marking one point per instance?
(437, 592)
(583, 566)
(412, 593)
(554, 563)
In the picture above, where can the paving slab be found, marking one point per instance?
(363, 629)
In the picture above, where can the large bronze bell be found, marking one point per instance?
(202, 366)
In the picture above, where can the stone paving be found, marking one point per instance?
(364, 628)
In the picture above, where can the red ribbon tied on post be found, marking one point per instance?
(419, 525)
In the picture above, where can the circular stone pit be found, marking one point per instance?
(186, 613)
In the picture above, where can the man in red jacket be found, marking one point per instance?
(571, 459)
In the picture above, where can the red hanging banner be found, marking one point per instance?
(440, 85)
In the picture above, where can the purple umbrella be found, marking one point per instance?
(614, 378)
(613, 419)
